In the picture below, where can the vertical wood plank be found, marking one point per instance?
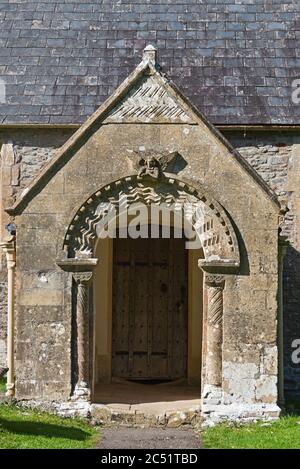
(149, 308)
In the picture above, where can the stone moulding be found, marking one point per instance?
(75, 265)
(216, 232)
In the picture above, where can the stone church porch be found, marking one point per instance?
(90, 309)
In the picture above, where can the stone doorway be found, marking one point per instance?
(150, 309)
(168, 351)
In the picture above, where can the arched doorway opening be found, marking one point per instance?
(148, 305)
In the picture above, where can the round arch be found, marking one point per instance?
(207, 217)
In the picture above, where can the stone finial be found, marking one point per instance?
(150, 54)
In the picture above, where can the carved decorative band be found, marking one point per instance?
(214, 281)
(149, 100)
(215, 232)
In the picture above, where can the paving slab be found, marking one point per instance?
(148, 438)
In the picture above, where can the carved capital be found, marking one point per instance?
(215, 281)
(82, 277)
(9, 249)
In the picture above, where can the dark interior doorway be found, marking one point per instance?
(150, 309)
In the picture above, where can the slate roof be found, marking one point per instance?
(234, 59)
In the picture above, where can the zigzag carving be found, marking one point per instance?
(144, 195)
(147, 101)
(216, 237)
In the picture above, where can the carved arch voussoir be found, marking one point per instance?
(215, 231)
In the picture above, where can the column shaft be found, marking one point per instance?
(9, 249)
(82, 279)
(215, 286)
(10, 385)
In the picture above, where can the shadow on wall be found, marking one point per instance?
(244, 266)
(291, 321)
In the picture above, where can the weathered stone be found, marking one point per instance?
(266, 388)
(174, 422)
(100, 413)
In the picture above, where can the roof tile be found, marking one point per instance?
(235, 59)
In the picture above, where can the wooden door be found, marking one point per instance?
(149, 335)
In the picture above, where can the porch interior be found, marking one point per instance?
(148, 396)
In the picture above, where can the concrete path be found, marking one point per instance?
(148, 438)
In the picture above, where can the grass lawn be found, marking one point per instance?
(284, 433)
(26, 429)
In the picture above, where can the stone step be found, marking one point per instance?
(148, 417)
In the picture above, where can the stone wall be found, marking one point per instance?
(32, 149)
(23, 154)
(276, 157)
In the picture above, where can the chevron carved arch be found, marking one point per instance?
(213, 227)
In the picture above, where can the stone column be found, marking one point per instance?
(82, 388)
(9, 249)
(213, 379)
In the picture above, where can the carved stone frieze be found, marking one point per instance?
(149, 101)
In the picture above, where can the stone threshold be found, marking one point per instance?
(149, 414)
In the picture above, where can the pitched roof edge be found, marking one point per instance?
(61, 158)
(69, 148)
(200, 117)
